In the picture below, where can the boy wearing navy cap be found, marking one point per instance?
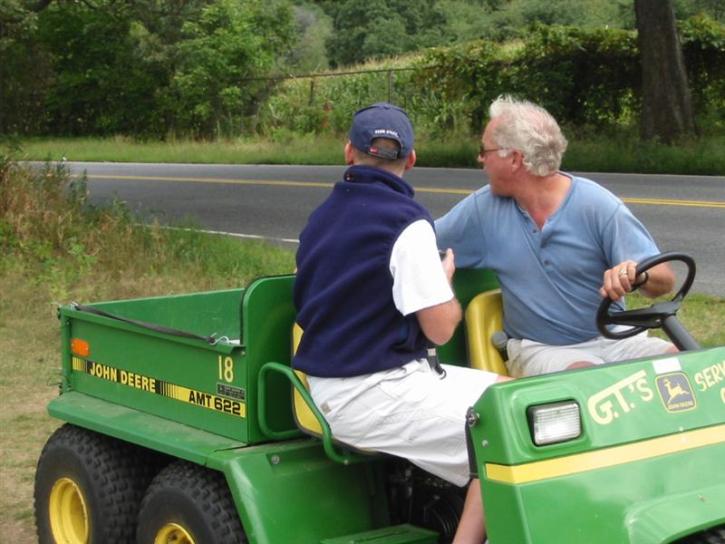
(372, 295)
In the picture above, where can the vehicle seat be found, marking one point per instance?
(308, 422)
(304, 417)
(483, 317)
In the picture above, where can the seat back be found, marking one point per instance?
(484, 316)
(304, 417)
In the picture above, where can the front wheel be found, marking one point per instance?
(188, 504)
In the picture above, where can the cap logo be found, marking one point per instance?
(383, 132)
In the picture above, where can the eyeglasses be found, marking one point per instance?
(482, 150)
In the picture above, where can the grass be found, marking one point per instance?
(626, 153)
(54, 248)
(587, 153)
(702, 315)
(283, 150)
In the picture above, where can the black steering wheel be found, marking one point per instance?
(661, 314)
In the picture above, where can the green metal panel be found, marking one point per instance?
(268, 316)
(619, 402)
(291, 492)
(204, 313)
(652, 445)
(131, 425)
(181, 379)
(644, 502)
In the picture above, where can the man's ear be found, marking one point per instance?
(411, 160)
(517, 160)
(349, 153)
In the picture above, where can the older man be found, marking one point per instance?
(557, 242)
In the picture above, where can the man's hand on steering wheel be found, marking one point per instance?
(661, 314)
(621, 279)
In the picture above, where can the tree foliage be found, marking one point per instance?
(98, 86)
(380, 28)
(145, 67)
(213, 88)
(204, 68)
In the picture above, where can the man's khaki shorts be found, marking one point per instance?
(529, 358)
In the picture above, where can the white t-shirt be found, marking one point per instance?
(418, 277)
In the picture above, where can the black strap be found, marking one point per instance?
(151, 326)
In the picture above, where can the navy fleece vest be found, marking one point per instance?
(343, 290)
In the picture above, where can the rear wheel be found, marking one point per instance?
(88, 488)
(188, 504)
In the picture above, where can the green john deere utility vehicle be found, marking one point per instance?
(183, 422)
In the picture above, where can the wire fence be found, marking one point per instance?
(313, 77)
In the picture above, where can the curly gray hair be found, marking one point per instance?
(531, 129)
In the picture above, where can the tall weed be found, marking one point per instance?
(50, 232)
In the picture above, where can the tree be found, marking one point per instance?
(313, 28)
(24, 70)
(666, 103)
(98, 86)
(378, 28)
(225, 55)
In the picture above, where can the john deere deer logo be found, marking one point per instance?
(676, 392)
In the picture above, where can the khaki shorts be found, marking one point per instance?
(529, 358)
(409, 412)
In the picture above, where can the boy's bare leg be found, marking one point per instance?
(472, 527)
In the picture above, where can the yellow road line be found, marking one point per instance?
(436, 190)
(670, 202)
(221, 181)
(608, 457)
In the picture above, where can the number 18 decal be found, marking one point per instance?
(226, 369)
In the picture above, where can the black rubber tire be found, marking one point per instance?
(111, 476)
(711, 536)
(194, 498)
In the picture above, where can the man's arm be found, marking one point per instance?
(439, 322)
(461, 230)
(660, 280)
(619, 280)
(422, 282)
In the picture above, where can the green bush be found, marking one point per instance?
(589, 78)
(703, 45)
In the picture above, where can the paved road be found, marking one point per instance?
(684, 213)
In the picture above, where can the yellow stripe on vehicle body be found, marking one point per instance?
(608, 457)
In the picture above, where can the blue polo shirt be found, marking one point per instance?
(550, 277)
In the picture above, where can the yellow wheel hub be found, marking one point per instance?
(68, 513)
(173, 533)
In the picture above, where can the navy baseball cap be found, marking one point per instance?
(382, 120)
